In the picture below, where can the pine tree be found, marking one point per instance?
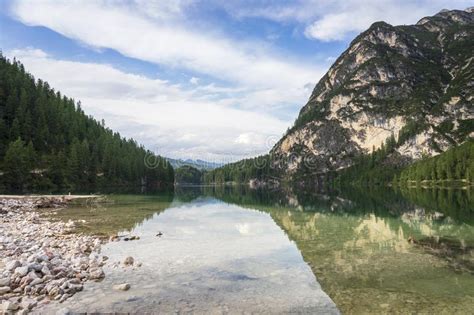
(17, 164)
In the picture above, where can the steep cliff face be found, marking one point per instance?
(415, 83)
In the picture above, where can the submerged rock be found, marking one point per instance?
(122, 287)
(128, 261)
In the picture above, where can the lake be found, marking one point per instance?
(236, 250)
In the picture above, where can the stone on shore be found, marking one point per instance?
(12, 265)
(4, 282)
(8, 306)
(96, 274)
(28, 304)
(4, 290)
(42, 261)
(21, 271)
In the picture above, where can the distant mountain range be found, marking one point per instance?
(199, 164)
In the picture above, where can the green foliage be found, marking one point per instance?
(382, 168)
(456, 163)
(377, 168)
(188, 175)
(260, 167)
(47, 143)
(18, 162)
(411, 129)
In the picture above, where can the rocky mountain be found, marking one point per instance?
(411, 86)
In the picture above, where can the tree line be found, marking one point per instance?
(48, 143)
(382, 166)
(456, 163)
(260, 167)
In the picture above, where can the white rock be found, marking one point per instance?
(4, 282)
(64, 311)
(45, 270)
(75, 287)
(28, 304)
(22, 271)
(4, 290)
(36, 281)
(9, 306)
(96, 274)
(12, 265)
(33, 275)
(122, 287)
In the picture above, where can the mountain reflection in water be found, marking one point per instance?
(381, 250)
(372, 250)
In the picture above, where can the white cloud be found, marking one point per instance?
(353, 17)
(163, 10)
(255, 81)
(136, 35)
(243, 228)
(163, 116)
(329, 20)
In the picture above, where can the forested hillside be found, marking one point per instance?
(188, 175)
(455, 164)
(260, 168)
(380, 168)
(48, 143)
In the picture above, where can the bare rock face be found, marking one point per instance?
(412, 83)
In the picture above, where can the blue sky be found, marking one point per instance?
(215, 80)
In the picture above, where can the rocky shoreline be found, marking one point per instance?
(42, 262)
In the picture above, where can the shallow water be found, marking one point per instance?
(213, 257)
(238, 250)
